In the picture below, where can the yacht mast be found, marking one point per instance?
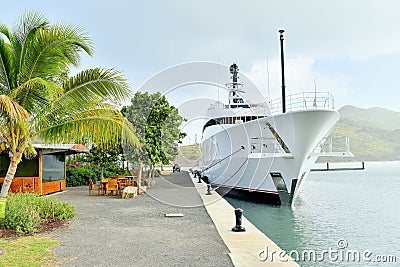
(234, 70)
(283, 73)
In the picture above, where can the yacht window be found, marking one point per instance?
(210, 123)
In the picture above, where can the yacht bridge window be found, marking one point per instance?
(231, 120)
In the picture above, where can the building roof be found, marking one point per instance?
(67, 148)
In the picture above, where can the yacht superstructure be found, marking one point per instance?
(251, 151)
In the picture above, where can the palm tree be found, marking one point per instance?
(38, 99)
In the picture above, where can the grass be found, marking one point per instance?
(28, 213)
(29, 251)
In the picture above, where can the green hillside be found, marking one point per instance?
(188, 155)
(376, 118)
(374, 133)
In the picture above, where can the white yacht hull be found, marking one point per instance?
(268, 158)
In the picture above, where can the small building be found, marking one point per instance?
(43, 174)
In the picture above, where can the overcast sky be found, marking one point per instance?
(351, 48)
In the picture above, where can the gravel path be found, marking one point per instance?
(110, 231)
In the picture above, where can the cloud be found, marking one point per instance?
(299, 77)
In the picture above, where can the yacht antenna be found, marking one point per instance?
(283, 73)
(315, 93)
(218, 78)
(269, 93)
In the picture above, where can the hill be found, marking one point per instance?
(376, 118)
(188, 155)
(374, 132)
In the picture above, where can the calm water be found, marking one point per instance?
(360, 208)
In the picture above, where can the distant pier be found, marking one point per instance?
(328, 168)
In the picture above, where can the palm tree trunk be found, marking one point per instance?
(14, 160)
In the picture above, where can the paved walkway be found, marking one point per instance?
(110, 231)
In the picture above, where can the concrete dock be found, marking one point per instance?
(246, 248)
(135, 232)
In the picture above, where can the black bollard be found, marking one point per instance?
(208, 189)
(238, 227)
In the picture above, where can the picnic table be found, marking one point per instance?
(122, 182)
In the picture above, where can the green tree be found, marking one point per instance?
(106, 158)
(157, 127)
(38, 99)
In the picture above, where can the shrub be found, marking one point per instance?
(81, 175)
(63, 210)
(25, 211)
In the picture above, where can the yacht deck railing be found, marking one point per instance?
(304, 101)
(294, 102)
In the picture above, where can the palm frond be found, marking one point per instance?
(14, 124)
(36, 94)
(26, 27)
(30, 20)
(128, 134)
(75, 37)
(51, 50)
(17, 136)
(5, 67)
(6, 60)
(29, 149)
(99, 126)
(6, 32)
(54, 112)
(96, 84)
(42, 56)
(11, 110)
